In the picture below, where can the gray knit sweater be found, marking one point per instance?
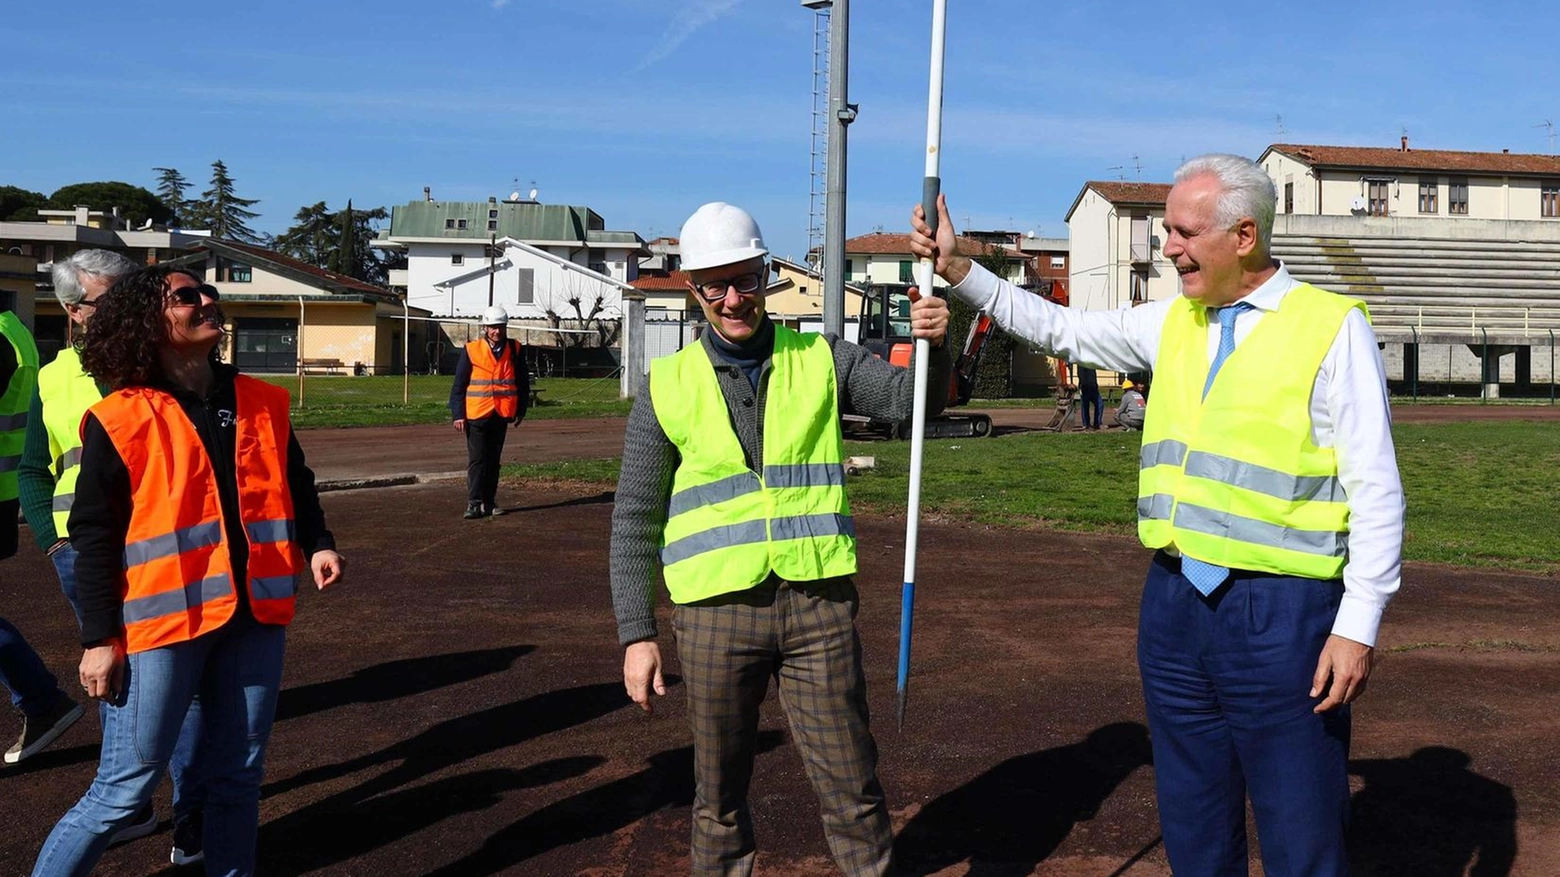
(867, 386)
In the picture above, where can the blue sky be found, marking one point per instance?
(643, 109)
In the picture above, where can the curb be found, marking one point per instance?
(340, 484)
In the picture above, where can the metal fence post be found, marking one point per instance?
(301, 350)
(1415, 382)
(1551, 366)
(1484, 368)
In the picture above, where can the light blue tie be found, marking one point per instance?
(1206, 577)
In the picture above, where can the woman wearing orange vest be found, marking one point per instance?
(193, 514)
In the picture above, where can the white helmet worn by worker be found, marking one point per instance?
(719, 234)
(494, 316)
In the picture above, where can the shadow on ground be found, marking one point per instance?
(396, 679)
(1010, 818)
(1428, 815)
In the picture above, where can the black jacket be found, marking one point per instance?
(100, 516)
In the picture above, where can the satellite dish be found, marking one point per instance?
(1031, 234)
(514, 196)
(533, 194)
(1358, 203)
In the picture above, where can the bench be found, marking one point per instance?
(328, 366)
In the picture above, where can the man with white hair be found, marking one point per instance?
(490, 392)
(1269, 488)
(50, 463)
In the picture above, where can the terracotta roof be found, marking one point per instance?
(339, 281)
(1122, 192)
(677, 280)
(1443, 160)
(886, 244)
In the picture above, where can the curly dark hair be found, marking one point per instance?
(127, 329)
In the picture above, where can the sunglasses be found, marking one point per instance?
(189, 296)
(715, 290)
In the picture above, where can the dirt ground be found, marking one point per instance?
(456, 707)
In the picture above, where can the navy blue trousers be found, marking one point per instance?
(1227, 680)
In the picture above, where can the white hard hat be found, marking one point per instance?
(719, 234)
(495, 316)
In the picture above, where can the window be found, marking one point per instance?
(1058, 261)
(1377, 196)
(229, 271)
(265, 344)
(492, 214)
(1457, 196)
(906, 271)
(1429, 187)
(457, 258)
(598, 267)
(1139, 287)
(449, 223)
(460, 223)
(492, 225)
(527, 278)
(850, 268)
(1289, 197)
(1549, 201)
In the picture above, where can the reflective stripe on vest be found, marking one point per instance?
(178, 580)
(66, 393)
(15, 397)
(494, 387)
(1234, 478)
(728, 527)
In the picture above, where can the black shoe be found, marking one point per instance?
(39, 732)
(474, 511)
(142, 824)
(187, 840)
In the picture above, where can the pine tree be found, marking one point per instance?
(346, 259)
(223, 212)
(312, 236)
(171, 186)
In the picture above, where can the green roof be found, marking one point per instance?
(523, 220)
(622, 238)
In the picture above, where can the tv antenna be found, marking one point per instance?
(1550, 126)
(1137, 166)
(1120, 171)
(1278, 127)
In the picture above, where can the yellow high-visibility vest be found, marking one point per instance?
(15, 397)
(1234, 479)
(728, 526)
(66, 392)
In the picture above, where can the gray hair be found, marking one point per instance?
(1245, 189)
(98, 263)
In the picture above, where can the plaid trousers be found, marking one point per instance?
(804, 635)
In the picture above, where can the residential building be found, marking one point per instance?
(665, 257)
(882, 257)
(448, 252)
(18, 285)
(1425, 183)
(1048, 265)
(795, 295)
(666, 295)
(1114, 258)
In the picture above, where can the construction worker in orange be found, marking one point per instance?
(489, 394)
(194, 512)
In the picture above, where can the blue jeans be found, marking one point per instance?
(1227, 681)
(237, 671)
(33, 688)
(189, 792)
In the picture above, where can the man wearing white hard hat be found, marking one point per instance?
(490, 392)
(733, 486)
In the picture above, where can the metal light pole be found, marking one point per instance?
(841, 114)
(931, 184)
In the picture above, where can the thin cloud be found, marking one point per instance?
(499, 4)
(695, 15)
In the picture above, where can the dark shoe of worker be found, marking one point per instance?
(187, 848)
(38, 732)
(474, 511)
(142, 824)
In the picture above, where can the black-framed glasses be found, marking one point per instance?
(189, 296)
(87, 303)
(715, 290)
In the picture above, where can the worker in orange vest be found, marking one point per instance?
(490, 392)
(194, 512)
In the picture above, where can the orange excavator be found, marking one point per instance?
(885, 330)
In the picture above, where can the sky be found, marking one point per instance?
(644, 109)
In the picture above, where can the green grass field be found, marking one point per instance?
(334, 401)
(1475, 491)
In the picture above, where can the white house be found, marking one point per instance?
(530, 282)
(1115, 262)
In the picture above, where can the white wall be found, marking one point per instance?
(1100, 265)
(552, 285)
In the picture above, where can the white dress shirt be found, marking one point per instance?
(1349, 411)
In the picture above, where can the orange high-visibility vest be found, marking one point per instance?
(493, 388)
(178, 580)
